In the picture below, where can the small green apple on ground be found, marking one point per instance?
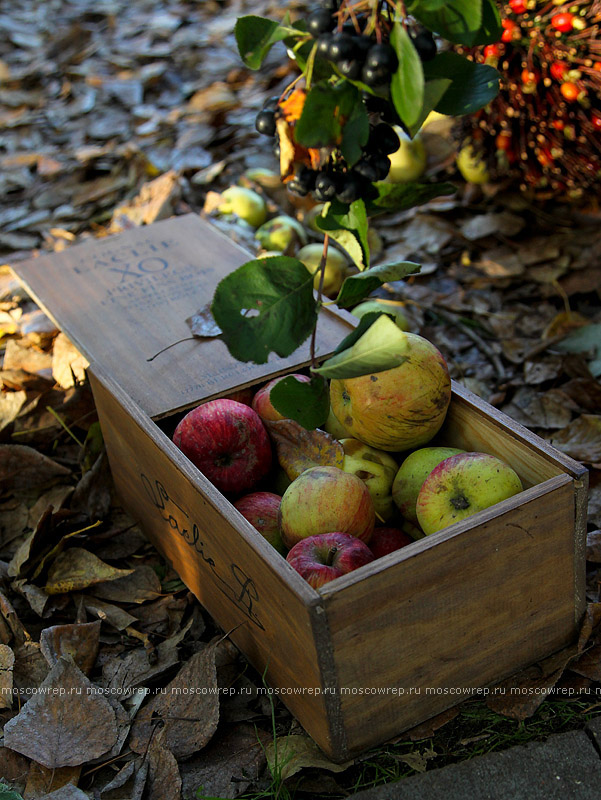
(412, 473)
(326, 499)
(461, 486)
(336, 265)
(245, 204)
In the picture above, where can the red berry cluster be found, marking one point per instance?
(544, 127)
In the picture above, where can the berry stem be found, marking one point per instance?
(322, 272)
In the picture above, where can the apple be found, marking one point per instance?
(228, 443)
(471, 165)
(335, 428)
(262, 402)
(376, 468)
(392, 307)
(387, 540)
(462, 485)
(336, 265)
(412, 530)
(412, 473)
(400, 408)
(280, 234)
(261, 510)
(244, 203)
(408, 163)
(321, 558)
(323, 499)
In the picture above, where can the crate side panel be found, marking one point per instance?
(124, 298)
(462, 614)
(250, 600)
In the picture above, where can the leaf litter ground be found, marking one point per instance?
(114, 115)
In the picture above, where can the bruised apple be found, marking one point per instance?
(376, 468)
(400, 408)
(261, 509)
(462, 485)
(325, 499)
(228, 443)
(262, 402)
(319, 559)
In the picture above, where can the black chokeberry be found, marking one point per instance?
(265, 122)
(384, 139)
(296, 187)
(350, 190)
(306, 177)
(374, 76)
(367, 169)
(320, 21)
(425, 45)
(382, 57)
(342, 47)
(325, 186)
(271, 103)
(323, 45)
(381, 164)
(350, 68)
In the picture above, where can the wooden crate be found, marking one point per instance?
(376, 651)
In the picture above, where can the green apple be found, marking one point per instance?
(461, 486)
(376, 469)
(471, 165)
(408, 163)
(389, 306)
(413, 530)
(266, 178)
(244, 203)
(336, 265)
(413, 472)
(334, 427)
(280, 233)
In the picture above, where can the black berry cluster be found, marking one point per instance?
(336, 180)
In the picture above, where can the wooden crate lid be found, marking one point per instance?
(123, 298)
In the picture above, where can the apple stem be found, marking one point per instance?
(322, 273)
(330, 557)
(179, 341)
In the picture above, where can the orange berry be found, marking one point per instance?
(503, 140)
(570, 91)
(563, 22)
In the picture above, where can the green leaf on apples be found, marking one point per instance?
(348, 226)
(407, 84)
(356, 287)
(306, 403)
(473, 85)
(374, 346)
(265, 306)
(255, 36)
(326, 109)
(400, 196)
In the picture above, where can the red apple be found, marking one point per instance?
(228, 443)
(319, 559)
(262, 402)
(387, 540)
(261, 510)
(323, 499)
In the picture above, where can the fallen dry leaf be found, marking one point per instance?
(13, 767)
(299, 449)
(22, 468)
(189, 707)
(11, 404)
(164, 780)
(289, 754)
(143, 584)
(41, 780)
(593, 546)
(418, 759)
(68, 364)
(81, 642)
(67, 792)
(77, 569)
(581, 439)
(108, 612)
(67, 723)
(7, 662)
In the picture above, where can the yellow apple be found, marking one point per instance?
(335, 428)
(471, 165)
(336, 265)
(244, 203)
(280, 233)
(408, 163)
(396, 409)
(379, 304)
(376, 469)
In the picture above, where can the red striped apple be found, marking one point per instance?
(228, 443)
(462, 485)
(387, 540)
(325, 499)
(319, 559)
(261, 509)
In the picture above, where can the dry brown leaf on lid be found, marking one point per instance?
(299, 449)
(67, 723)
